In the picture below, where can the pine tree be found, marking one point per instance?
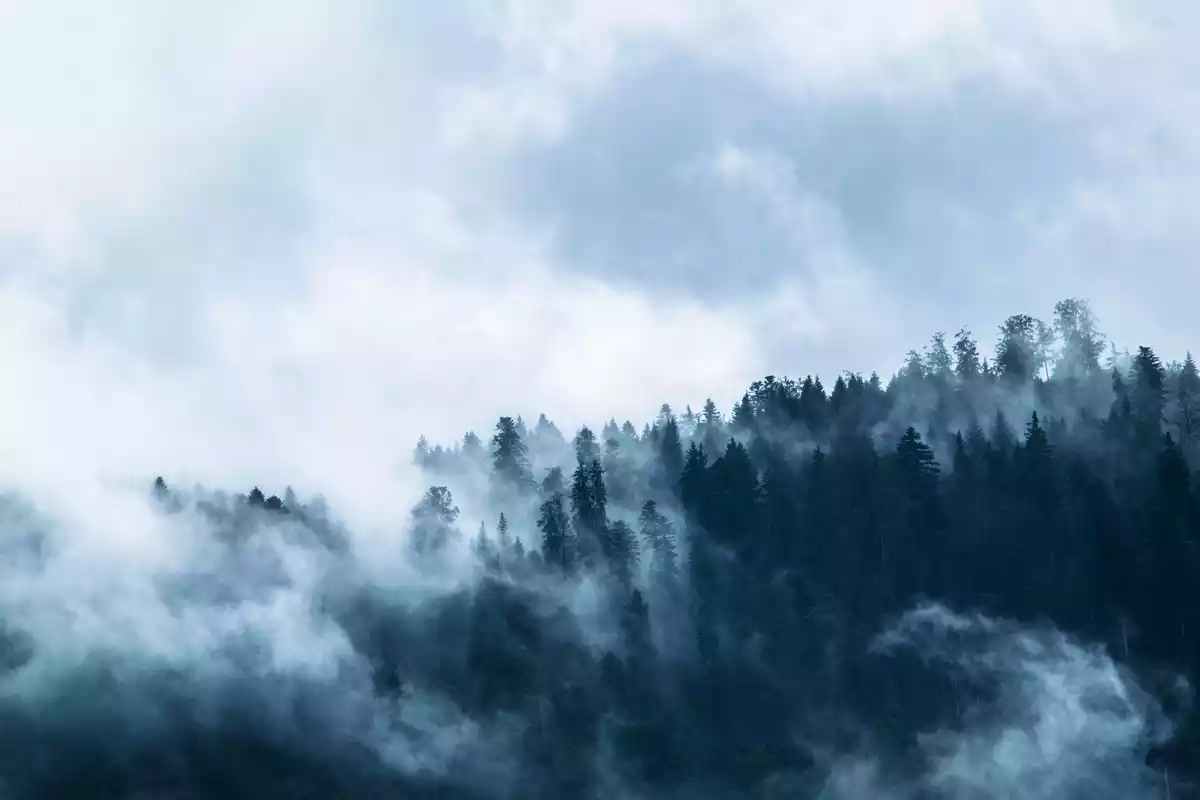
(510, 456)
(635, 628)
(914, 367)
(557, 546)
(589, 502)
(553, 483)
(1002, 438)
(433, 521)
(1082, 345)
(692, 481)
(688, 421)
(916, 457)
(656, 529)
(545, 430)
(938, 362)
(1037, 444)
(587, 449)
(670, 452)
(482, 547)
(915, 569)
(503, 539)
(472, 448)
(421, 452)
(1149, 392)
(743, 414)
(1016, 351)
(966, 356)
(621, 553)
(1187, 403)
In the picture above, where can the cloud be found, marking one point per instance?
(252, 247)
(1055, 718)
(273, 244)
(220, 205)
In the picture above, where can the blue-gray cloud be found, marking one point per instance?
(948, 199)
(342, 219)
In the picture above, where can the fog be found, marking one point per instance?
(274, 246)
(234, 653)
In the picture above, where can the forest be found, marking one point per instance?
(977, 578)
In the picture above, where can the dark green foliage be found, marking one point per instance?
(558, 545)
(620, 549)
(1016, 352)
(433, 521)
(659, 535)
(1187, 405)
(587, 449)
(1040, 487)
(966, 356)
(510, 456)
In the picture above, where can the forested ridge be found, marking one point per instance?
(977, 579)
(1052, 484)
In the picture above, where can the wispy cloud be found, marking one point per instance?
(284, 239)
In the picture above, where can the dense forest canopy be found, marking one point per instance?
(976, 580)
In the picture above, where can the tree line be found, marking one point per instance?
(737, 549)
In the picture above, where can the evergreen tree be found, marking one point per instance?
(619, 474)
(938, 362)
(503, 539)
(545, 430)
(483, 548)
(670, 452)
(510, 459)
(1149, 393)
(621, 553)
(658, 533)
(587, 449)
(743, 414)
(589, 503)
(920, 523)
(472, 448)
(553, 483)
(1082, 346)
(914, 367)
(1187, 402)
(1016, 352)
(558, 548)
(421, 452)
(820, 521)
(433, 521)
(966, 356)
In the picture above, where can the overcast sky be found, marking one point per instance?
(274, 241)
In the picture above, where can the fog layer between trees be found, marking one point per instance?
(977, 579)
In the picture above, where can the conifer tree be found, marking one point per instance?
(558, 548)
(966, 356)
(621, 553)
(659, 535)
(510, 459)
(433, 521)
(1187, 402)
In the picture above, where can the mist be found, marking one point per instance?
(460, 339)
(612, 615)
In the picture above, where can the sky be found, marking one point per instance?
(273, 242)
